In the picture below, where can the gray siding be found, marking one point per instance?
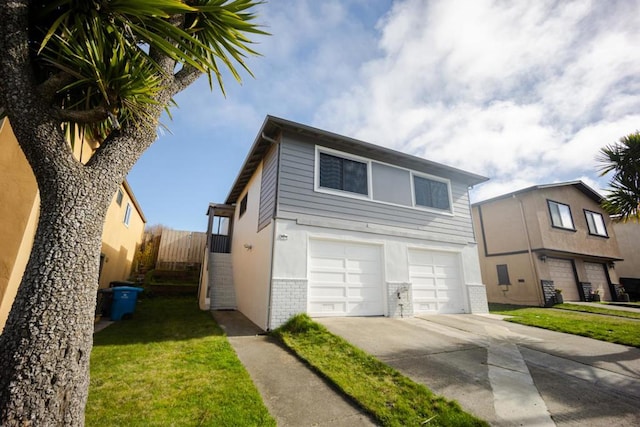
(296, 195)
(268, 188)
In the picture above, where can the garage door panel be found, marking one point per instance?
(327, 277)
(354, 272)
(436, 283)
(328, 291)
(563, 276)
(598, 279)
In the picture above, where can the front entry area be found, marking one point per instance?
(345, 279)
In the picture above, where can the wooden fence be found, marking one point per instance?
(181, 250)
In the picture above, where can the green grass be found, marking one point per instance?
(170, 365)
(598, 325)
(599, 310)
(392, 399)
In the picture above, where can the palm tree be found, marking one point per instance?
(105, 70)
(623, 159)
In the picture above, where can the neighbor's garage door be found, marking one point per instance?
(561, 272)
(345, 279)
(436, 282)
(598, 279)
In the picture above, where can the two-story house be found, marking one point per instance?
(327, 225)
(20, 209)
(545, 238)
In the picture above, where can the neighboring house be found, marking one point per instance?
(543, 238)
(628, 234)
(328, 225)
(19, 211)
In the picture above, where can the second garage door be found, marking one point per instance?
(436, 282)
(561, 272)
(598, 279)
(345, 279)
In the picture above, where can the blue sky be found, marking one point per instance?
(522, 92)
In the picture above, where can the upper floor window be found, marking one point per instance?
(595, 222)
(343, 174)
(127, 215)
(358, 177)
(243, 206)
(119, 197)
(560, 215)
(431, 193)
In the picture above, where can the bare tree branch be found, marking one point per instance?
(183, 78)
(51, 86)
(94, 115)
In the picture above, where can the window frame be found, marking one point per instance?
(588, 212)
(127, 215)
(370, 196)
(119, 197)
(353, 158)
(505, 272)
(242, 209)
(561, 226)
(428, 177)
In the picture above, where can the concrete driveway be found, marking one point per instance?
(506, 374)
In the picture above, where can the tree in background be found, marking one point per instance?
(623, 159)
(103, 70)
(146, 255)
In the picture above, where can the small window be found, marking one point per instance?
(119, 197)
(560, 215)
(430, 193)
(127, 215)
(595, 221)
(243, 205)
(343, 174)
(503, 274)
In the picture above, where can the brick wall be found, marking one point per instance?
(477, 298)
(288, 298)
(400, 299)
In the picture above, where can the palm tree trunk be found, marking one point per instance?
(45, 349)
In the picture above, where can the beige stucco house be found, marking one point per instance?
(628, 234)
(547, 237)
(19, 210)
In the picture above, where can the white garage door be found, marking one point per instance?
(436, 282)
(598, 279)
(561, 272)
(345, 279)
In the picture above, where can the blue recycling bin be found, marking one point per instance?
(123, 301)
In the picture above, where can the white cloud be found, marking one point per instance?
(525, 93)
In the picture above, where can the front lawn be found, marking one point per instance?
(599, 324)
(170, 365)
(392, 399)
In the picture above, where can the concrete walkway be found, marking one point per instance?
(609, 305)
(294, 395)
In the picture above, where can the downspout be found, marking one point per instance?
(273, 231)
(534, 267)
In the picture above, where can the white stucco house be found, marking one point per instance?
(328, 225)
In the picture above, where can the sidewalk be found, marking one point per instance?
(294, 395)
(622, 306)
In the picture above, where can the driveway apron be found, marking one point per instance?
(504, 373)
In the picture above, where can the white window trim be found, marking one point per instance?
(316, 178)
(588, 212)
(432, 178)
(316, 182)
(127, 215)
